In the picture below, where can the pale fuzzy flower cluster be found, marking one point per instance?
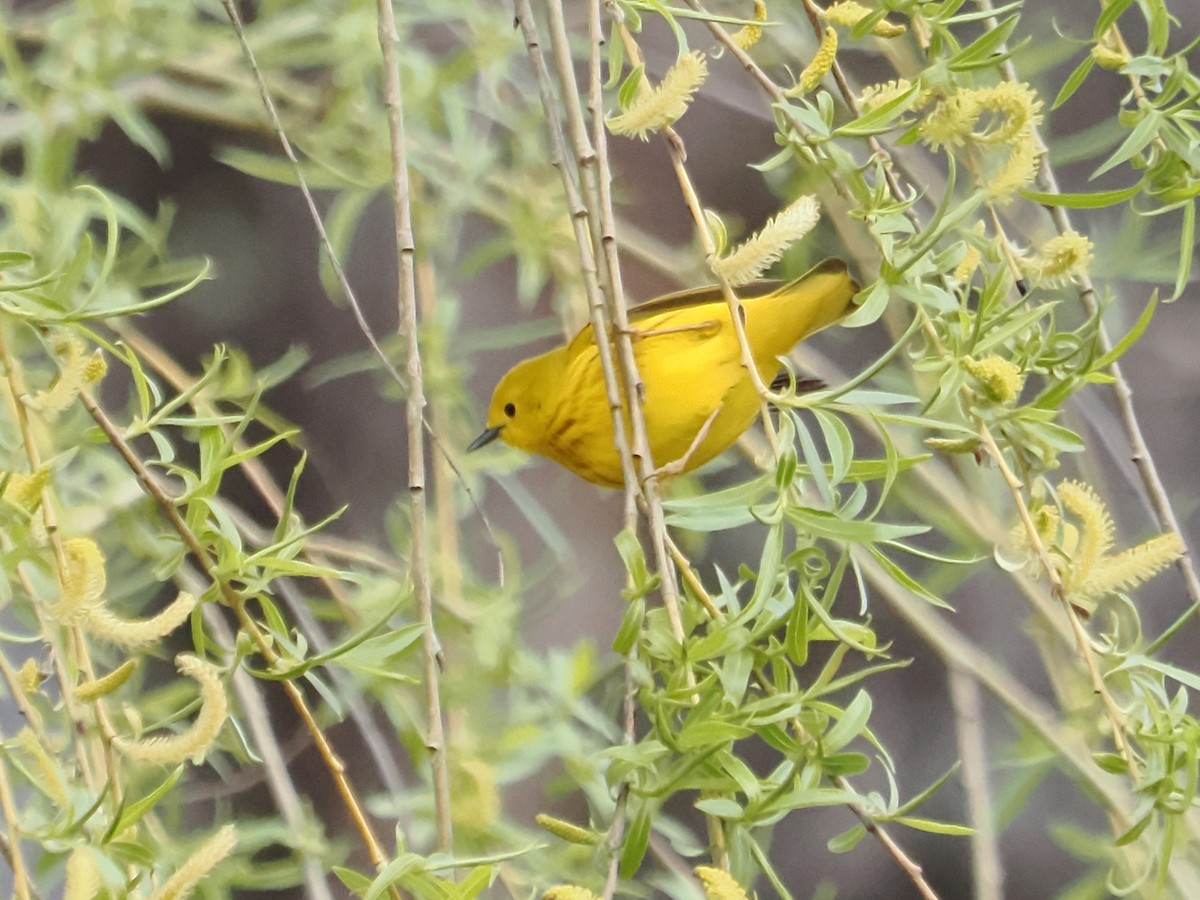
(968, 264)
(181, 885)
(1091, 572)
(82, 881)
(568, 831)
(93, 689)
(719, 884)
(848, 14)
(749, 35)
(656, 108)
(876, 95)
(79, 371)
(1001, 378)
(195, 742)
(1018, 170)
(46, 769)
(818, 68)
(1064, 258)
(1012, 110)
(568, 892)
(25, 490)
(1014, 107)
(755, 255)
(84, 579)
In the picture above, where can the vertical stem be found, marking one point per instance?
(16, 860)
(968, 720)
(415, 412)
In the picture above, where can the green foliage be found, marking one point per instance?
(730, 701)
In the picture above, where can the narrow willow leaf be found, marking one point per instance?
(722, 807)
(1187, 248)
(1084, 201)
(637, 839)
(987, 50)
(1129, 339)
(850, 725)
(1143, 133)
(935, 827)
(1076, 78)
(1113, 11)
(847, 840)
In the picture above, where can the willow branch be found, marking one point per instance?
(415, 408)
(237, 603)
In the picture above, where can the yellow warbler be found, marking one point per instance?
(688, 356)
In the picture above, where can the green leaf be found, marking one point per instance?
(1094, 200)
(637, 839)
(630, 628)
(356, 882)
(1113, 11)
(826, 525)
(1129, 339)
(850, 725)
(986, 51)
(1187, 248)
(132, 812)
(722, 807)
(1074, 80)
(935, 827)
(847, 840)
(711, 732)
(1143, 133)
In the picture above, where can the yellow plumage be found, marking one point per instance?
(688, 357)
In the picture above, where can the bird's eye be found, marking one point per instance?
(510, 410)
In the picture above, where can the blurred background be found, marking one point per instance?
(267, 297)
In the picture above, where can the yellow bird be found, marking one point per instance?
(689, 359)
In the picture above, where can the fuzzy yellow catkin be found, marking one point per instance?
(568, 831)
(102, 687)
(205, 858)
(876, 95)
(749, 35)
(31, 676)
(1018, 170)
(968, 264)
(101, 622)
(82, 876)
(568, 892)
(25, 490)
(849, 14)
(83, 580)
(952, 121)
(1001, 378)
(719, 884)
(194, 742)
(759, 252)
(1131, 567)
(818, 68)
(48, 776)
(1096, 537)
(1064, 258)
(656, 108)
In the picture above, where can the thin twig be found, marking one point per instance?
(339, 272)
(21, 884)
(256, 717)
(237, 603)
(415, 407)
(972, 750)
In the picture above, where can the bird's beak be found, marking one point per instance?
(489, 435)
